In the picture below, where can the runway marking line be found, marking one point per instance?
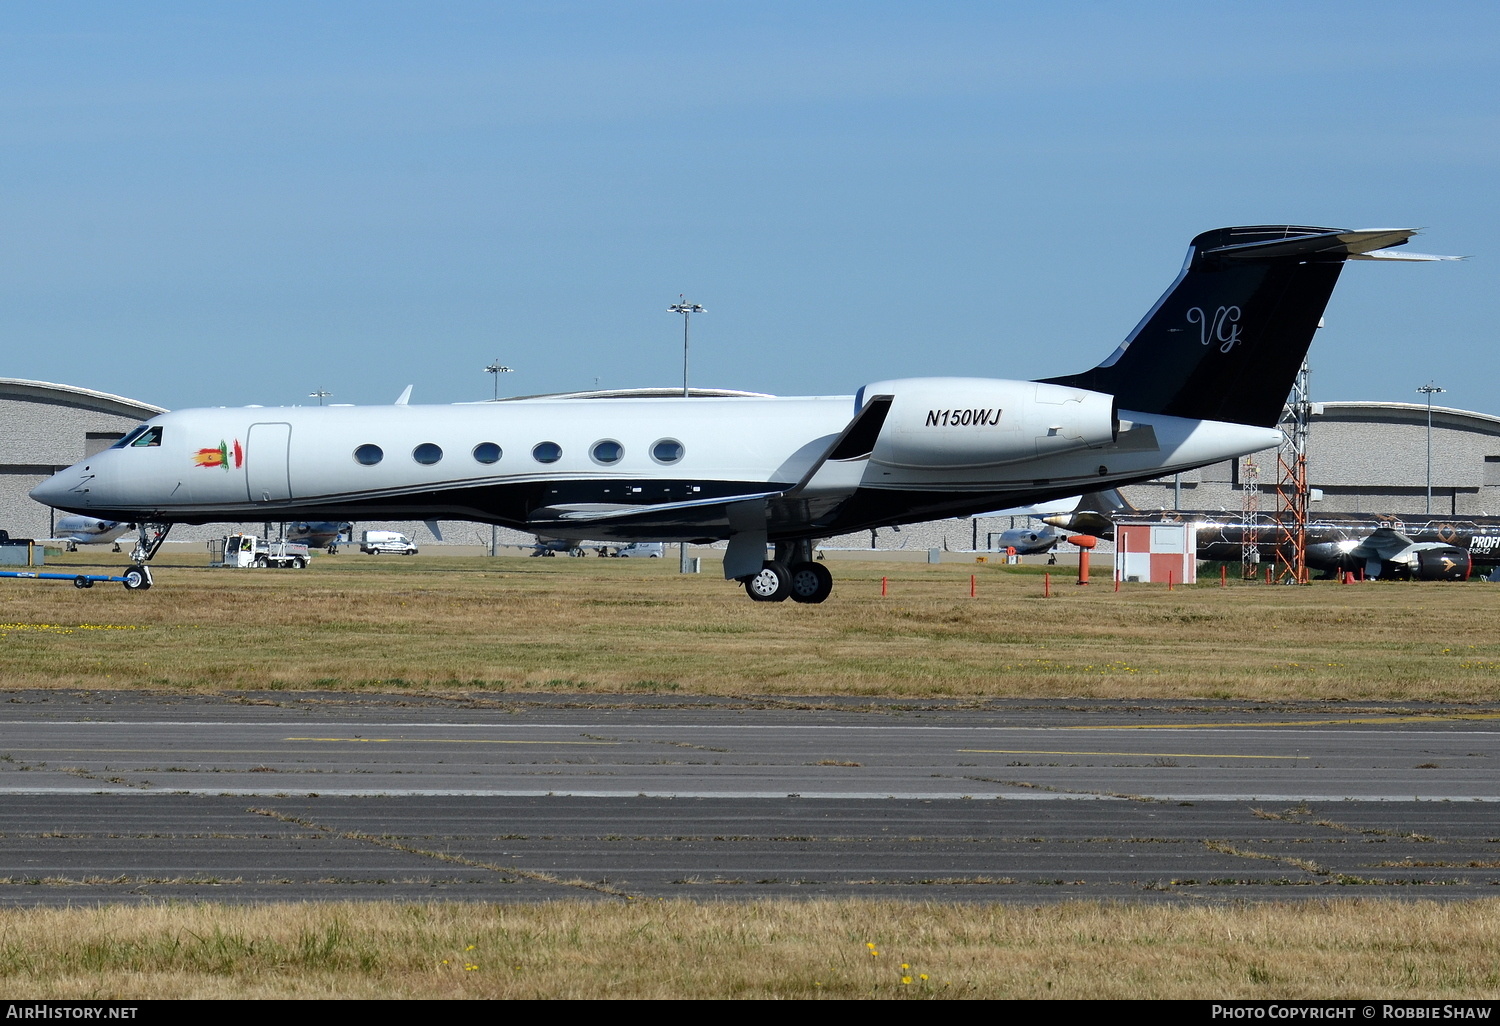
(1287, 723)
(452, 741)
(1154, 755)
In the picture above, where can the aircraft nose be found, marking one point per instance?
(58, 491)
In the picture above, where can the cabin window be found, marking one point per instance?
(427, 454)
(369, 455)
(668, 450)
(487, 452)
(547, 452)
(607, 452)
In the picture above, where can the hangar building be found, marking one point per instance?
(1365, 458)
(49, 427)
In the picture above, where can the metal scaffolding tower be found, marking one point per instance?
(1249, 519)
(1291, 485)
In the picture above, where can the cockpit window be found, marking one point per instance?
(151, 436)
(132, 436)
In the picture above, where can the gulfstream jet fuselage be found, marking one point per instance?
(1201, 379)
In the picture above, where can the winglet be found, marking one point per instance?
(404, 397)
(843, 464)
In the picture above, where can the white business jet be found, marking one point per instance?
(73, 531)
(1201, 379)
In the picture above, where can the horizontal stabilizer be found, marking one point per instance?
(1402, 255)
(1332, 243)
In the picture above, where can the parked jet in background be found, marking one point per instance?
(320, 534)
(1028, 542)
(74, 531)
(569, 547)
(1202, 378)
(1372, 545)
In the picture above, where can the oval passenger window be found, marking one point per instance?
(668, 450)
(608, 451)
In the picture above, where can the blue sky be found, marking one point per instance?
(220, 204)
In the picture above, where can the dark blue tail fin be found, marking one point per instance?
(1227, 339)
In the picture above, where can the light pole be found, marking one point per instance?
(319, 395)
(687, 310)
(682, 306)
(497, 368)
(1427, 390)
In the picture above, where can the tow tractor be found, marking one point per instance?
(246, 550)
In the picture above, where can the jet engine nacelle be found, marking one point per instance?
(1439, 563)
(981, 422)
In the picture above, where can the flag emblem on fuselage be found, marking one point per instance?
(220, 456)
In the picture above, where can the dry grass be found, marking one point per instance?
(597, 627)
(759, 950)
(602, 626)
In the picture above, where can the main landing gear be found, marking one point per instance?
(791, 575)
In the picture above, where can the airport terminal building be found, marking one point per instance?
(1363, 457)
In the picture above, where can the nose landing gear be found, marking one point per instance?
(151, 537)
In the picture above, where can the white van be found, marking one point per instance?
(376, 542)
(648, 550)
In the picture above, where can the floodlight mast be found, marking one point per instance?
(1428, 390)
(682, 306)
(319, 395)
(497, 368)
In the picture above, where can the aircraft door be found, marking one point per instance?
(266, 477)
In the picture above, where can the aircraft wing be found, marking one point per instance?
(1384, 543)
(664, 514)
(831, 479)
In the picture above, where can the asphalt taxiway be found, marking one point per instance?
(280, 796)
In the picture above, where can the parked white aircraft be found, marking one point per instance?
(1201, 379)
(74, 531)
